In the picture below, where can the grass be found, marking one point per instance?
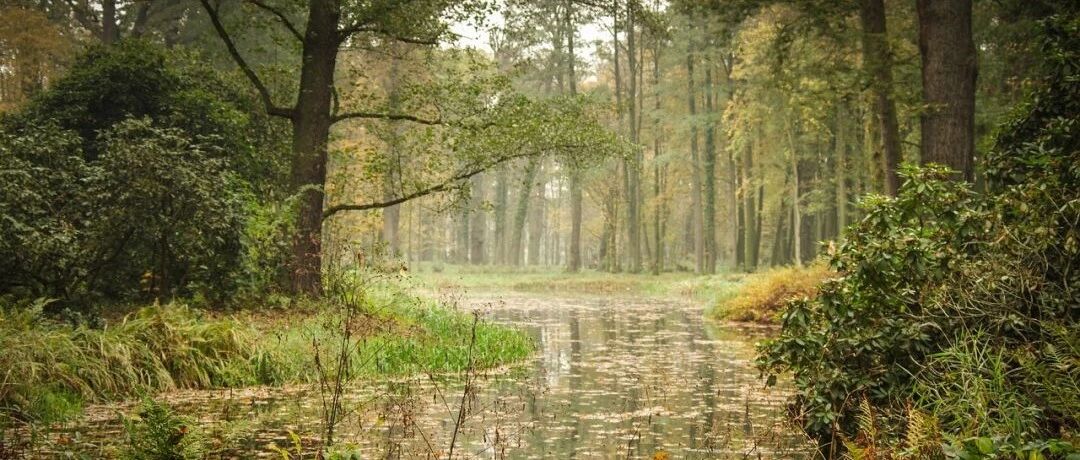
(549, 280)
(49, 369)
(762, 296)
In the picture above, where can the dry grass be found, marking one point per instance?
(761, 297)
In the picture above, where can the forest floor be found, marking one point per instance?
(706, 289)
(727, 296)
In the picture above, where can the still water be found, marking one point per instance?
(612, 378)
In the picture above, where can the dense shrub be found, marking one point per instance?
(171, 88)
(154, 215)
(132, 177)
(952, 329)
(761, 297)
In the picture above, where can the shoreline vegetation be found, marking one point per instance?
(53, 367)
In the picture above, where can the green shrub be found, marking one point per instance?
(762, 296)
(954, 316)
(129, 179)
(156, 433)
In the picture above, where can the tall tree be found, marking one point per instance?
(632, 166)
(573, 257)
(695, 165)
(948, 80)
(877, 63)
(326, 28)
(708, 166)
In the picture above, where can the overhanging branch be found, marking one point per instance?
(449, 184)
(264, 93)
(346, 33)
(385, 116)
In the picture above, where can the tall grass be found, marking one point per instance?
(48, 369)
(761, 297)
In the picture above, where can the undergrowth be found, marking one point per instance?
(49, 368)
(952, 330)
(761, 297)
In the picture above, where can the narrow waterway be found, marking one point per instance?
(612, 378)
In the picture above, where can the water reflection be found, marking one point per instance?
(613, 378)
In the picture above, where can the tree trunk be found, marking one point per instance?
(841, 169)
(658, 250)
(877, 62)
(796, 213)
(478, 224)
(633, 218)
(311, 132)
(749, 214)
(948, 78)
(709, 177)
(517, 236)
(110, 33)
(536, 220)
(573, 256)
(392, 181)
(502, 191)
(695, 168)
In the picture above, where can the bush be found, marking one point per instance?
(953, 321)
(129, 178)
(762, 296)
(153, 216)
(157, 433)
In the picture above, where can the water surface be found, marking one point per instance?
(612, 378)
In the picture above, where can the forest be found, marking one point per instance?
(838, 229)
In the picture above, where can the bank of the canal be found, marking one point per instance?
(613, 377)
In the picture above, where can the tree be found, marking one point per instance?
(327, 27)
(877, 62)
(948, 76)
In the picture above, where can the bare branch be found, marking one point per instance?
(264, 93)
(281, 16)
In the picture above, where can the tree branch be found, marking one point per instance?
(347, 32)
(385, 116)
(264, 93)
(281, 16)
(448, 184)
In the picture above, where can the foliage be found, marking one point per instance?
(761, 297)
(157, 433)
(44, 207)
(173, 89)
(154, 213)
(49, 367)
(955, 307)
(155, 348)
(129, 178)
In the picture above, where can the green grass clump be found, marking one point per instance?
(48, 369)
(399, 334)
(762, 296)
